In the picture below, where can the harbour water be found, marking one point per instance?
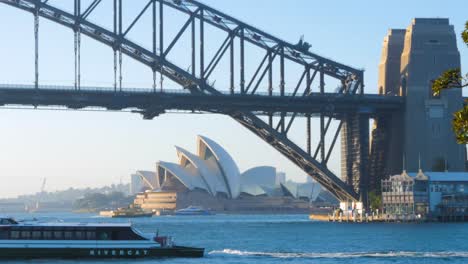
(295, 239)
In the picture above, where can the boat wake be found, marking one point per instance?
(340, 255)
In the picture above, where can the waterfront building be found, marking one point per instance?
(437, 195)
(211, 178)
(156, 201)
(448, 193)
(406, 197)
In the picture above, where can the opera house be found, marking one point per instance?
(210, 178)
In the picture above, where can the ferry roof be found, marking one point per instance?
(65, 224)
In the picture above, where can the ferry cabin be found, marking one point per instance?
(83, 240)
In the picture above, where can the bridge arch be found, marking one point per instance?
(275, 50)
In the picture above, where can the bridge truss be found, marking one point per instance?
(284, 70)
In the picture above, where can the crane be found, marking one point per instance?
(43, 185)
(39, 196)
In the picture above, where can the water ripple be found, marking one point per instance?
(341, 255)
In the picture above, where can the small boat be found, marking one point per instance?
(37, 240)
(126, 213)
(106, 213)
(193, 210)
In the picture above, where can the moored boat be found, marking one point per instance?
(36, 240)
(193, 210)
(126, 213)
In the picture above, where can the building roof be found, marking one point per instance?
(262, 175)
(190, 181)
(252, 189)
(444, 176)
(401, 177)
(149, 178)
(226, 164)
(213, 182)
(212, 169)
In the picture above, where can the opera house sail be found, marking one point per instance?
(212, 179)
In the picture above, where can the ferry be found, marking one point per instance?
(36, 240)
(129, 212)
(193, 210)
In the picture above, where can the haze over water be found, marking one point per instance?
(296, 239)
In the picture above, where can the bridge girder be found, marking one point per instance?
(276, 51)
(333, 105)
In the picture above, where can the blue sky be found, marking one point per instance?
(93, 149)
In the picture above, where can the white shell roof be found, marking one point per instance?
(149, 178)
(291, 187)
(214, 183)
(252, 189)
(262, 175)
(225, 162)
(190, 181)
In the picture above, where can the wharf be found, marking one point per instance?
(364, 219)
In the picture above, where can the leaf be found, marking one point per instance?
(460, 125)
(449, 79)
(465, 33)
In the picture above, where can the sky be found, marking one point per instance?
(81, 149)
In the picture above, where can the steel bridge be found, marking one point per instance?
(266, 96)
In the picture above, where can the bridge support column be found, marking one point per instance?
(355, 153)
(386, 149)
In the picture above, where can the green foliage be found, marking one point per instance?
(94, 201)
(375, 200)
(454, 79)
(460, 124)
(449, 79)
(465, 33)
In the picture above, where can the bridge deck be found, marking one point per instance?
(146, 99)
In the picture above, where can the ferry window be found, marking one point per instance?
(103, 236)
(36, 235)
(90, 235)
(3, 234)
(80, 235)
(14, 234)
(68, 235)
(47, 235)
(58, 235)
(25, 234)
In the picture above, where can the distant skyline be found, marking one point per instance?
(80, 149)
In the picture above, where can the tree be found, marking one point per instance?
(451, 79)
(375, 200)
